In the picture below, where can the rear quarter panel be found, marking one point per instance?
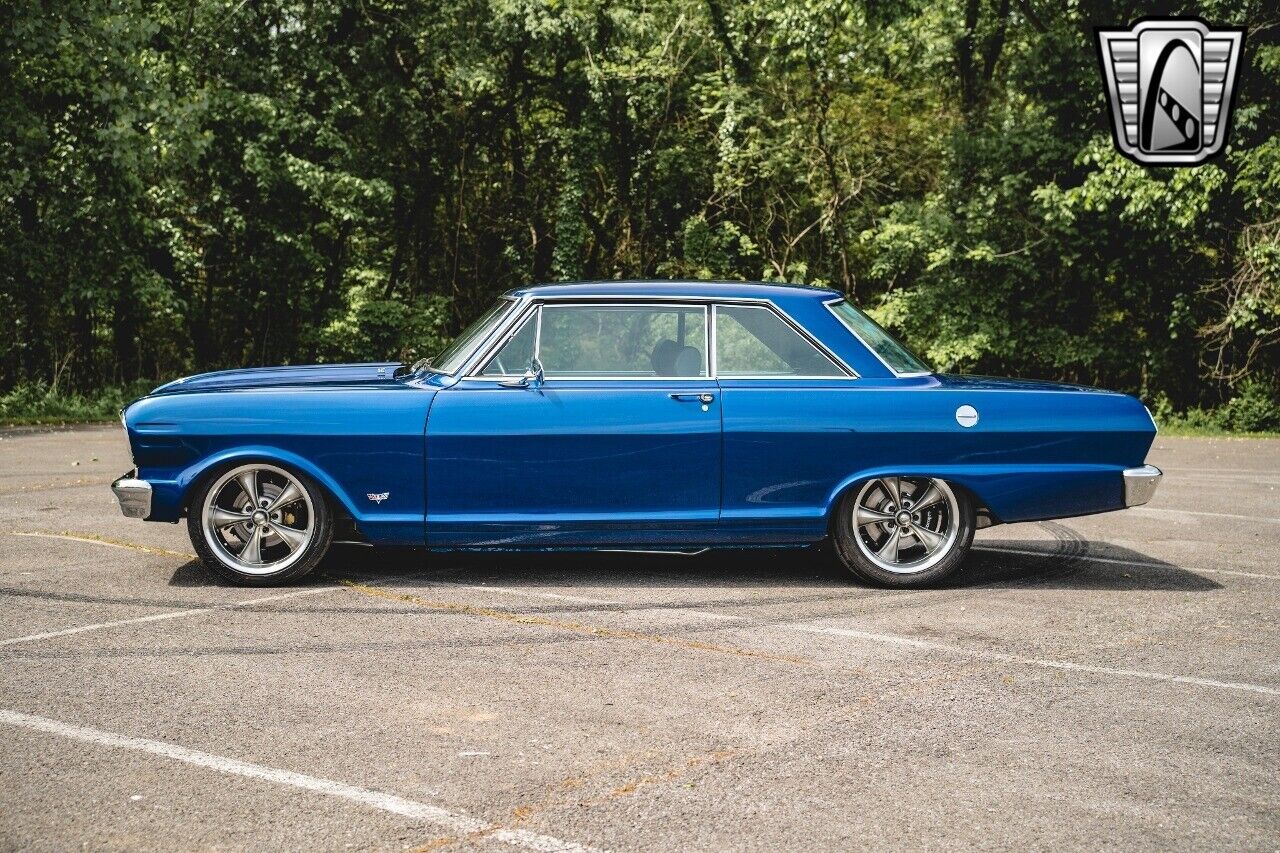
(792, 448)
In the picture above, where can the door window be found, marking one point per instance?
(624, 341)
(753, 341)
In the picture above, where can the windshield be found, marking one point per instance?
(455, 354)
(895, 355)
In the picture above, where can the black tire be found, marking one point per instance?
(312, 553)
(852, 558)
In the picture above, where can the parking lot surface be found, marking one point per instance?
(1111, 680)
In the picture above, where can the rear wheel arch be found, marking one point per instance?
(854, 482)
(902, 529)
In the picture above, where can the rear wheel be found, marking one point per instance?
(903, 531)
(260, 524)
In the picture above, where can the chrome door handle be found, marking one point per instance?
(703, 398)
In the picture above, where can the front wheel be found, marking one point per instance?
(259, 524)
(903, 531)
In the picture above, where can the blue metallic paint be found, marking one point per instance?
(618, 463)
(570, 460)
(352, 440)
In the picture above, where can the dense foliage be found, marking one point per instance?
(209, 183)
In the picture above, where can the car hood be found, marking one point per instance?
(995, 383)
(310, 376)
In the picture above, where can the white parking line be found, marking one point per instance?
(157, 617)
(1120, 562)
(963, 651)
(1148, 510)
(452, 821)
(1248, 471)
(524, 593)
(1047, 663)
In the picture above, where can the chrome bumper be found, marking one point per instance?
(1140, 484)
(133, 495)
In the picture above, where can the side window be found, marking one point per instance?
(754, 341)
(623, 340)
(513, 357)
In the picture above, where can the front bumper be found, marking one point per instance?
(1140, 484)
(133, 495)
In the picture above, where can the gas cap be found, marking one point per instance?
(967, 416)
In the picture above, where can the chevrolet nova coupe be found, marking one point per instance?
(631, 416)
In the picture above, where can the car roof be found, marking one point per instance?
(703, 289)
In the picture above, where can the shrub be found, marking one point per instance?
(37, 403)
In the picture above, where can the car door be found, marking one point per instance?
(787, 437)
(617, 442)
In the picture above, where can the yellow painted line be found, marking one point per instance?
(563, 625)
(54, 485)
(95, 539)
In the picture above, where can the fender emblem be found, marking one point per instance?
(966, 416)
(378, 497)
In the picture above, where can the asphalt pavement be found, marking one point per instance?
(1103, 681)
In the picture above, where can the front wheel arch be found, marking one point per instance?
(195, 476)
(318, 512)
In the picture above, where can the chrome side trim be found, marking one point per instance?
(1140, 484)
(677, 553)
(133, 495)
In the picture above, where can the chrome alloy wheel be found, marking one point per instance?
(258, 519)
(906, 525)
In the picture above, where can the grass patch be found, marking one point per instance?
(1180, 428)
(37, 403)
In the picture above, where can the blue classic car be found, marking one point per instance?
(635, 416)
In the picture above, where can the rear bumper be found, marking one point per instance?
(1140, 484)
(133, 495)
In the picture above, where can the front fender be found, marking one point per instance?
(192, 474)
(1012, 493)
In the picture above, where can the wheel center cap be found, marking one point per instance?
(904, 517)
(259, 517)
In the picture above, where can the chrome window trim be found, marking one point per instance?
(534, 316)
(534, 302)
(828, 303)
(589, 302)
(469, 360)
(850, 373)
(482, 347)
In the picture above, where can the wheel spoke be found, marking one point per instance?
(893, 488)
(248, 481)
(290, 494)
(930, 540)
(889, 550)
(223, 518)
(292, 537)
(930, 497)
(252, 551)
(865, 516)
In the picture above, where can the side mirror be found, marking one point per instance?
(533, 377)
